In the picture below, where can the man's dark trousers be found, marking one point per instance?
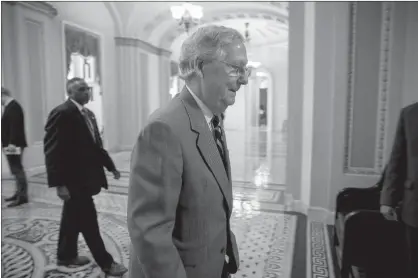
(16, 168)
(412, 249)
(79, 215)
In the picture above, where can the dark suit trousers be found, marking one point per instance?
(16, 167)
(412, 249)
(225, 273)
(79, 215)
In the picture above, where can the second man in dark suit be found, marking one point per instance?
(74, 158)
(13, 141)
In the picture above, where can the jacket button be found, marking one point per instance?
(223, 251)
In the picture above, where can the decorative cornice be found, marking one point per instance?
(39, 6)
(384, 66)
(147, 47)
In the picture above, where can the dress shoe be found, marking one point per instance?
(18, 202)
(115, 270)
(13, 198)
(79, 261)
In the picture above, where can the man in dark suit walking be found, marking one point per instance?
(13, 141)
(180, 192)
(74, 158)
(401, 182)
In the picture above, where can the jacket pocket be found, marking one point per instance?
(193, 257)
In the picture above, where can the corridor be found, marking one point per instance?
(274, 241)
(325, 84)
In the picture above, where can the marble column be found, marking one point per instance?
(144, 83)
(164, 77)
(295, 98)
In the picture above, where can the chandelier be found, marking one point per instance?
(247, 39)
(247, 33)
(187, 14)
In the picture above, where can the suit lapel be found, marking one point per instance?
(206, 145)
(77, 114)
(9, 107)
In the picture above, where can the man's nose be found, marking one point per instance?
(244, 79)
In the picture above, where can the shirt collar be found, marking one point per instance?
(206, 111)
(79, 106)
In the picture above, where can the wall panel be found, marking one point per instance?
(368, 59)
(35, 78)
(144, 91)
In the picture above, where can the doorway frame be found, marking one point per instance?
(100, 38)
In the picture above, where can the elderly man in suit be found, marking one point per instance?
(401, 182)
(180, 190)
(74, 158)
(13, 141)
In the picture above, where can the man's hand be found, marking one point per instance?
(389, 213)
(63, 193)
(116, 174)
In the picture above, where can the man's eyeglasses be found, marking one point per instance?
(238, 70)
(84, 89)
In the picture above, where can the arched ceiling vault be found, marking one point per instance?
(152, 21)
(115, 16)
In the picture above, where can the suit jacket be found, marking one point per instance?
(13, 126)
(72, 157)
(401, 182)
(180, 197)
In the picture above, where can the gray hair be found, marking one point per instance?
(208, 43)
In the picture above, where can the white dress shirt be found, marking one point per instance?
(206, 111)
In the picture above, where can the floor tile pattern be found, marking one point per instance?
(319, 254)
(33, 231)
(266, 232)
(30, 233)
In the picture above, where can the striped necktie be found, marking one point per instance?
(217, 134)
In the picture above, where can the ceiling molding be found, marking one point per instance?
(147, 47)
(39, 6)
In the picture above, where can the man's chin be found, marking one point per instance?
(230, 100)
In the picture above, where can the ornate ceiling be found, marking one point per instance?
(152, 21)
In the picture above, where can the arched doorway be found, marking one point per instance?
(82, 50)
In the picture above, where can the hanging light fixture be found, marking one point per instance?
(247, 37)
(247, 33)
(187, 14)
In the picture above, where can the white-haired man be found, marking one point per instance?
(180, 191)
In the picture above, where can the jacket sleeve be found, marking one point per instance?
(55, 148)
(395, 173)
(16, 126)
(154, 190)
(107, 160)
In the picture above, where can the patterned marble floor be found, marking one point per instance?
(273, 241)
